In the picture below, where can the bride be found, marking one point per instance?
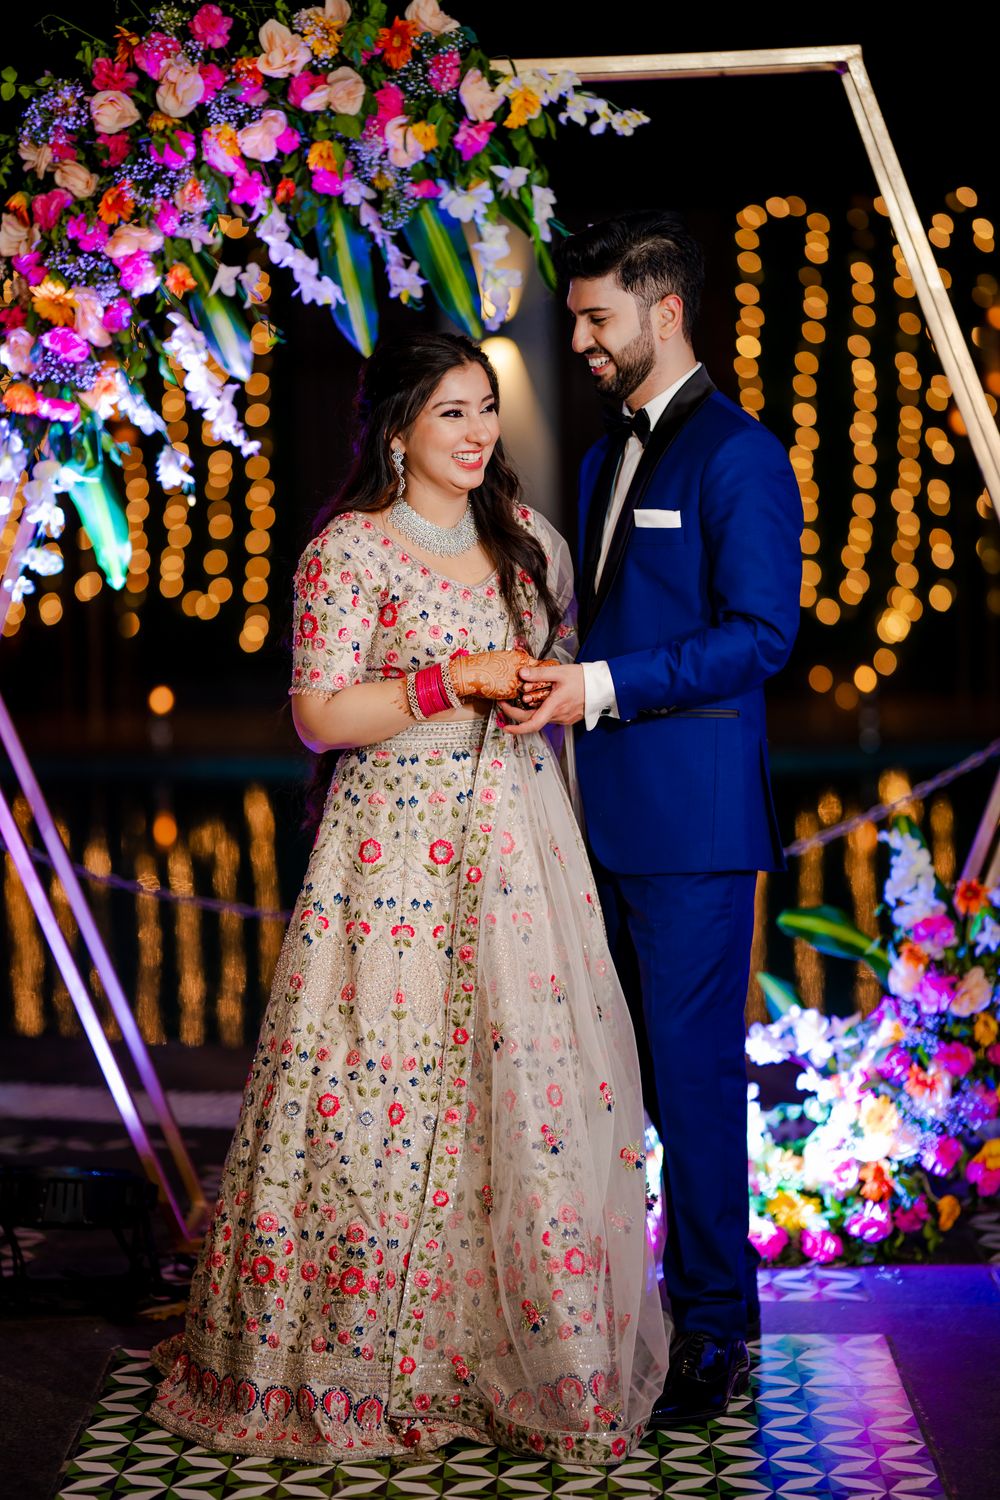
(431, 1222)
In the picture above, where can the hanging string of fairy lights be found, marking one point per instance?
(912, 521)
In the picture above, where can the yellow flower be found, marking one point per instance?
(381, 181)
(948, 1209)
(989, 1156)
(524, 105)
(425, 134)
(54, 300)
(322, 156)
(985, 1029)
(793, 1210)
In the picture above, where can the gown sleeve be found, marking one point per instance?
(335, 609)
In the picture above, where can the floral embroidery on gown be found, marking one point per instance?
(431, 1218)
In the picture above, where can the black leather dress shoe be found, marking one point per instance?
(753, 1327)
(703, 1378)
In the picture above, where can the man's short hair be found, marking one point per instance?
(650, 252)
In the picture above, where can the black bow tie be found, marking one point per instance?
(621, 425)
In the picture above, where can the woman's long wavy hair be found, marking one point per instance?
(395, 385)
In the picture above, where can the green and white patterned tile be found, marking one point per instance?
(826, 1418)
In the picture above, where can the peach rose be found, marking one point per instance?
(180, 89)
(128, 238)
(37, 159)
(404, 148)
(16, 351)
(17, 238)
(89, 311)
(111, 111)
(76, 178)
(481, 102)
(102, 397)
(283, 54)
(973, 994)
(429, 16)
(258, 140)
(343, 92)
(337, 11)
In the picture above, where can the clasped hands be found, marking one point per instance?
(531, 693)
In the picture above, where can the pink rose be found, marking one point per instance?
(180, 89)
(909, 1220)
(117, 315)
(480, 101)
(47, 207)
(174, 155)
(821, 1245)
(936, 992)
(65, 344)
(54, 409)
(168, 219)
(113, 75)
(872, 1223)
(217, 156)
(16, 351)
(154, 52)
(213, 78)
(391, 105)
(986, 1179)
(210, 27)
(445, 70)
(428, 188)
(956, 1058)
(768, 1239)
(942, 1156)
(895, 1066)
(287, 141)
(469, 140)
(302, 86)
(249, 188)
(63, 146)
(88, 236)
(935, 934)
(993, 1053)
(116, 148)
(330, 182)
(111, 111)
(138, 274)
(30, 267)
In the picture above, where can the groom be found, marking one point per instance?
(689, 599)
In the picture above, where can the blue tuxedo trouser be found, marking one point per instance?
(686, 940)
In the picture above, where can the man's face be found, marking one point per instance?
(612, 331)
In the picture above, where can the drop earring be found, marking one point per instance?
(397, 464)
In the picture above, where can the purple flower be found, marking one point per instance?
(941, 1156)
(936, 992)
(66, 344)
(29, 266)
(981, 1104)
(821, 1245)
(935, 934)
(895, 1066)
(470, 139)
(986, 1179)
(909, 1220)
(872, 1224)
(956, 1058)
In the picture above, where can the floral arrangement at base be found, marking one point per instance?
(361, 146)
(898, 1132)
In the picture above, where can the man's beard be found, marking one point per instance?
(631, 367)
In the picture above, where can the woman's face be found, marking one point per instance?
(452, 440)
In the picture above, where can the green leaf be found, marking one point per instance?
(345, 254)
(222, 323)
(831, 931)
(778, 993)
(347, 125)
(98, 505)
(9, 75)
(439, 245)
(7, 91)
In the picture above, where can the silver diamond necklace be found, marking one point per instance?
(442, 541)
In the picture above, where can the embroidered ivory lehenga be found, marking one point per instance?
(431, 1219)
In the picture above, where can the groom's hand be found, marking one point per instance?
(564, 704)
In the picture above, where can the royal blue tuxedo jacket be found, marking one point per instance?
(692, 619)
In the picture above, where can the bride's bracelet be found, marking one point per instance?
(431, 690)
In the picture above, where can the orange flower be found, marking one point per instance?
(918, 1081)
(877, 1182)
(158, 122)
(21, 397)
(116, 204)
(395, 42)
(285, 191)
(246, 69)
(179, 280)
(322, 156)
(969, 897)
(17, 204)
(524, 106)
(127, 42)
(54, 300)
(948, 1209)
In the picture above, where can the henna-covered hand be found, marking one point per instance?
(531, 694)
(489, 674)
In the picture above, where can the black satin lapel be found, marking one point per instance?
(600, 499)
(692, 394)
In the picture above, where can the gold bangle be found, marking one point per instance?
(411, 696)
(449, 686)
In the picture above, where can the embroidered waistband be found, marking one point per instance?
(465, 733)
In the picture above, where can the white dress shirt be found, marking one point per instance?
(598, 685)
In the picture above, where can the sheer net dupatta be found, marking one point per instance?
(580, 1350)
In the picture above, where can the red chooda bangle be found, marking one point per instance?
(430, 690)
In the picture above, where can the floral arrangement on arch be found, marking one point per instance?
(899, 1128)
(349, 138)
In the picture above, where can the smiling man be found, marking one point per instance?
(689, 597)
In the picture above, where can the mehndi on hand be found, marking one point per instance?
(490, 674)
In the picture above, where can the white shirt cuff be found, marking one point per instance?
(598, 693)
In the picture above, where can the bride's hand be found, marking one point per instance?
(490, 674)
(531, 694)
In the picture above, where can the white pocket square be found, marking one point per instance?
(657, 517)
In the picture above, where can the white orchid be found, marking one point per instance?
(512, 179)
(206, 391)
(988, 937)
(173, 469)
(43, 561)
(466, 204)
(405, 279)
(543, 202)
